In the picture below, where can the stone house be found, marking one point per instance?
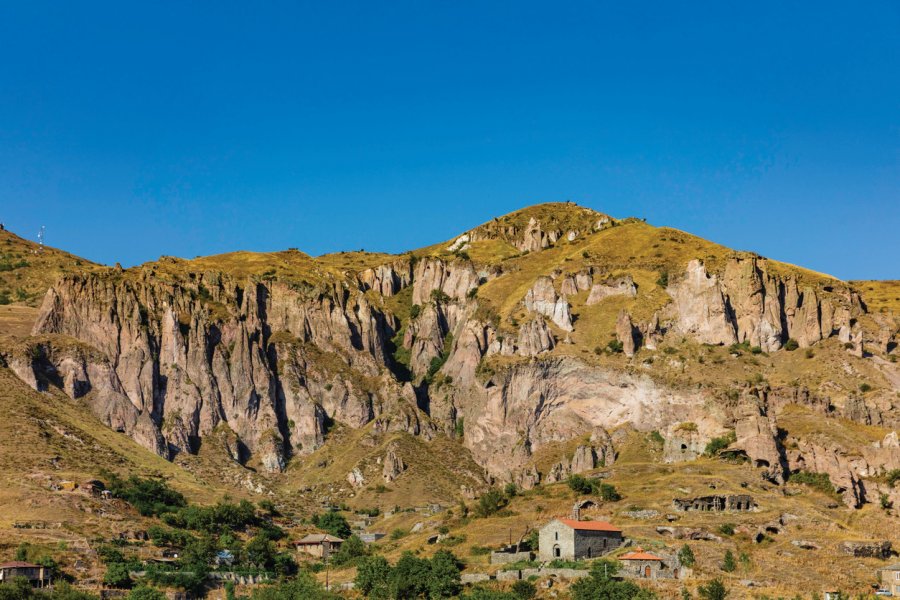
(569, 539)
(320, 545)
(890, 579)
(36, 574)
(644, 565)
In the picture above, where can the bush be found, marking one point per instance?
(791, 345)
(819, 481)
(657, 438)
(865, 387)
(728, 564)
(350, 551)
(332, 522)
(150, 496)
(372, 575)
(490, 502)
(479, 550)
(614, 347)
(524, 589)
(145, 593)
(398, 533)
(414, 311)
(663, 280)
(580, 484)
(4, 298)
(726, 528)
(714, 590)
(893, 477)
(601, 583)
(718, 444)
(609, 493)
(686, 556)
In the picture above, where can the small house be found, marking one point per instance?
(320, 545)
(37, 575)
(890, 579)
(569, 539)
(644, 565)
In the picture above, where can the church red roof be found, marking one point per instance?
(590, 525)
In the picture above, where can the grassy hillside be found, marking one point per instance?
(26, 272)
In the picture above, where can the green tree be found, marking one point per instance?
(373, 574)
(524, 590)
(334, 523)
(686, 556)
(303, 586)
(602, 585)
(714, 590)
(609, 493)
(117, 575)
(350, 551)
(145, 593)
(443, 579)
(409, 577)
(490, 502)
(728, 564)
(580, 484)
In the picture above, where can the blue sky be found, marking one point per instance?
(196, 128)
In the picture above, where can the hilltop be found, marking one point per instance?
(550, 342)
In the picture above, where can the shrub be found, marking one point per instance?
(4, 298)
(332, 522)
(728, 564)
(614, 347)
(524, 589)
(580, 484)
(717, 444)
(414, 311)
(350, 551)
(479, 550)
(686, 556)
(663, 280)
(809, 353)
(510, 490)
(440, 296)
(609, 493)
(893, 477)
(886, 503)
(490, 502)
(657, 438)
(714, 590)
(398, 533)
(726, 528)
(151, 496)
(145, 593)
(819, 481)
(791, 345)
(865, 387)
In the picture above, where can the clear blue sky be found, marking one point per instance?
(188, 128)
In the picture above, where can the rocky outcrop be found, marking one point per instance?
(748, 304)
(757, 437)
(622, 286)
(209, 349)
(627, 334)
(543, 299)
(386, 280)
(393, 466)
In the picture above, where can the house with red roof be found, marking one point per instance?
(646, 565)
(570, 539)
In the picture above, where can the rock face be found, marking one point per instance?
(543, 299)
(623, 286)
(881, 549)
(747, 304)
(181, 359)
(393, 466)
(627, 334)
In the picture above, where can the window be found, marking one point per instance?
(555, 551)
(556, 535)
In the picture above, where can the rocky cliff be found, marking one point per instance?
(480, 338)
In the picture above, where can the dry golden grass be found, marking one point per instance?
(26, 273)
(880, 296)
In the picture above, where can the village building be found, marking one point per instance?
(890, 579)
(37, 575)
(736, 502)
(569, 539)
(645, 565)
(320, 545)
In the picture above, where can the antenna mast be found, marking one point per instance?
(41, 240)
